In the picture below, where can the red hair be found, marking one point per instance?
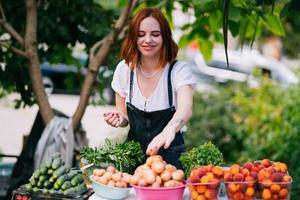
(129, 50)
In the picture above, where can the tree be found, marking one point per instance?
(24, 44)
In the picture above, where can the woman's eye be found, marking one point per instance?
(141, 35)
(156, 35)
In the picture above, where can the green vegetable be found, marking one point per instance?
(57, 162)
(126, 157)
(204, 154)
(58, 172)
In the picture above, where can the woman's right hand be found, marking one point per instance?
(115, 119)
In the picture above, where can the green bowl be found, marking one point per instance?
(109, 192)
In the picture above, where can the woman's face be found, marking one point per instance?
(149, 38)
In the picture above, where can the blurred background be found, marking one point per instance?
(249, 108)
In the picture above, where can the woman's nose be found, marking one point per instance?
(148, 38)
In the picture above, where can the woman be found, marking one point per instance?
(153, 91)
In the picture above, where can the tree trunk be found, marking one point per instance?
(97, 60)
(30, 42)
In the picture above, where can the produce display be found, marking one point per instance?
(112, 177)
(125, 157)
(240, 182)
(157, 173)
(204, 182)
(54, 178)
(263, 179)
(204, 154)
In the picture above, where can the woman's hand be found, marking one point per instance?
(163, 139)
(115, 119)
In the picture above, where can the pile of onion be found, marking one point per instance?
(157, 173)
(112, 177)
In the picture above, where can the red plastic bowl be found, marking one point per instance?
(148, 193)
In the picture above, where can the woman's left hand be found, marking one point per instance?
(163, 139)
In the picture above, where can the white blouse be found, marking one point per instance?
(181, 75)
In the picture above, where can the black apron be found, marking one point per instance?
(144, 126)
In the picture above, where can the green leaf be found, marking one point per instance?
(234, 14)
(234, 28)
(215, 20)
(205, 47)
(184, 41)
(274, 24)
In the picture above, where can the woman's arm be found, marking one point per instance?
(179, 119)
(117, 118)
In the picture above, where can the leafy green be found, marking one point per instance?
(126, 156)
(204, 154)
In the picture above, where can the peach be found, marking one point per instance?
(250, 192)
(286, 178)
(276, 177)
(234, 169)
(275, 196)
(232, 187)
(266, 194)
(194, 195)
(283, 193)
(210, 194)
(201, 171)
(201, 189)
(194, 178)
(201, 197)
(238, 177)
(227, 176)
(250, 181)
(245, 172)
(283, 167)
(267, 182)
(248, 165)
(238, 196)
(214, 183)
(275, 188)
(210, 176)
(266, 162)
(261, 175)
(217, 171)
(204, 179)
(271, 169)
(253, 174)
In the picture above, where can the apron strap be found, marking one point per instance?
(170, 92)
(130, 86)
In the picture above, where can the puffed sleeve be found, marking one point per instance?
(182, 75)
(120, 79)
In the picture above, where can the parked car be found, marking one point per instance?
(68, 79)
(241, 66)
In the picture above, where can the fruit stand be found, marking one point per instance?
(154, 178)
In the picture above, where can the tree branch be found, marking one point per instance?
(97, 60)
(95, 47)
(13, 49)
(2, 12)
(9, 28)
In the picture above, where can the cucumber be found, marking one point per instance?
(52, 179)
(80, 188)
(35, 189)
(72, 173)
(56, 163)
(49, 161)
(47, 184)
(36, 174)
(56, 155)
(62, 179)
(77, 180)
(42, 178)
(56, 186)
(33, 182)
(70, 191)
(50, 171)
(60, 171)
(43, 168)
(66, 185)
(28, 187)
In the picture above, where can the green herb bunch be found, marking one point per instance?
(204, 154)
(125, 157)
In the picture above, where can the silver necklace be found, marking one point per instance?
(151, 75)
